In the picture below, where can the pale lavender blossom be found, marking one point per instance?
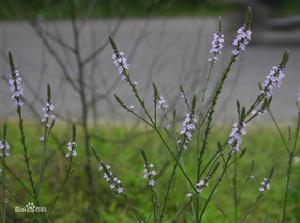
(71, 146)
(48, 114)
(265, 185)
(235, 137)
(217, 45)
(120, 62)
(189, 194)
(273, 80)
(188, 127)
(100, 167)
(241, 40)
(15, 86)
(201, 184)
(162, 103)
(115, 184)
(4, 148)
(149, 173)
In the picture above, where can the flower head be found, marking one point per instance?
(71, 146)
(188, 127)
(4, 148)
(48, 114)
(115, 184)
(189, 194)
(149, 173)
(162, 104)
(242, 39)
(273, 80)
(235, 137)
(265, 185)
(201, 184)
(120, 62)
(217, 45)
(15, 86)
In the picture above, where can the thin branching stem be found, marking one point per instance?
(289, 170)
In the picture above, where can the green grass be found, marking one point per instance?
(264, 146)
(18, 9)
(57, 10)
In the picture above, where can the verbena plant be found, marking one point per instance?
(31, 186)
(194, 134)
(196, 126)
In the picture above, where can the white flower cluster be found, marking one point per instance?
(201, 184)
(149, 173)
(47, 109)
(4, 148)
(273, 80)
(120, 62)
(241, 40)
(71, 146)
(265, 185)
(188, 127)
(235, 139)
(162, 103)
(217, 45)
(115, 184)
(15, 86)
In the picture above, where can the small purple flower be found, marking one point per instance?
(188, 127)
(241, 40)
(265, 185)
(115, 184)
(48, 114)
(189, 194)
(71, 146)
(201, 184)
(4, 148)
(15, 86)
(235, 137)
(120, 62)
(162, 103)
(149, 173)
(273, 80)
(217, 45)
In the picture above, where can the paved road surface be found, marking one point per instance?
(166, 51)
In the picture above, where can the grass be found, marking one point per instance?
(264, 146)
(17, 9)
(57, 10)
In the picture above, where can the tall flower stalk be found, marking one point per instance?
(71, 153)
(115, 185)
(238, 44)
(4, 152)
(149, 120)
(17, 93)
(48, 121)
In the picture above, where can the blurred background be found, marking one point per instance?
(166, 41)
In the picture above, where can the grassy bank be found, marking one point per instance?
(11, 10)
(121, 151)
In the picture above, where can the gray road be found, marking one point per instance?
(167, 51)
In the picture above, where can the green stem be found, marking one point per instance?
(289, 171)
(215, 187)
(169, 185)
(61, 187)
(235, 190)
